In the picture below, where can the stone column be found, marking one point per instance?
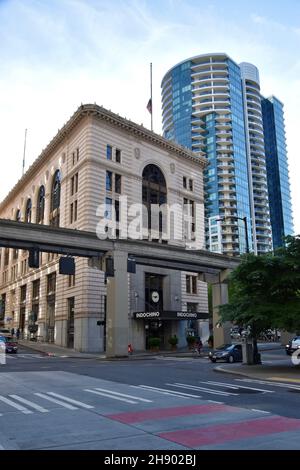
(117, 308)
(220, 297)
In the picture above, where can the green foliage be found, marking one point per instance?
(154, 342)
(210, 341)
(191, 339)
(173, 340)
(265, 290)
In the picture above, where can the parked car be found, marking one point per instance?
(228, 352)
(11, 346)
(293, 345)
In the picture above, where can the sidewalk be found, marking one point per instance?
(54, 350)
(277, 371)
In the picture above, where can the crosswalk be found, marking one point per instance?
(94, 397)
(30, 356)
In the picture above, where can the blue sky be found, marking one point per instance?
(57, 54)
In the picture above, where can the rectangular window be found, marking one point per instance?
(118, 185)
(51, 283)
(73, 158)
(23, 293)
(184, 182)
(108, 152)
(191, 284)
(36, 289)
(117, 209)
(108, 181)
(118, 155)
(71, 213)
(74, 184)
(108, 209)
(75, 211)
(191, 185)
(72, 280)
(77, 153)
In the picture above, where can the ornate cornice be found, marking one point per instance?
(103, 114)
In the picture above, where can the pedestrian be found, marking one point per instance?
(18, 333)
(199, 346)
(12, 331)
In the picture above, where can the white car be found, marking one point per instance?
(293, 345)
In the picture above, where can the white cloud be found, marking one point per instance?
(56, 55)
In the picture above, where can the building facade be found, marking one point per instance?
(212, 105)
(95, 159)
(277, 170)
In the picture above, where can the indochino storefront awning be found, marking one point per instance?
(170, 315)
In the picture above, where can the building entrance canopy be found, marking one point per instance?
(170, 315)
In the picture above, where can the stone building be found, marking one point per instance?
(97, 158)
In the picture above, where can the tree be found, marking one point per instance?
(265, 291)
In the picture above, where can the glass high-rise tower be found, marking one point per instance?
(213, 106)
(277, 170)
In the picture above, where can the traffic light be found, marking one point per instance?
(34, 258)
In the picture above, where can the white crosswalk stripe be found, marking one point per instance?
(29, 403)
(70, 400)
(165, 391)
(15, 405)
(54, 400)
(236, 387)
(271, 384)
(202, 389)
(108, 395)
(124, 395)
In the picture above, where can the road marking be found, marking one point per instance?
(221, 384)
(275, 384)
(70, 400)
(203, 389)
(58, 402)
(1, 447)
(124, 395)
(260, 411)
(165, 391)
(110, 396)
(15, 405)
(218, 402)
(29, 403)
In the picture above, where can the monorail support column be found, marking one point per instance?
(117, 323)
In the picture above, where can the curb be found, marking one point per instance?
(220, 369)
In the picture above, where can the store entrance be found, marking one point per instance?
(154, 303)
(155, 329)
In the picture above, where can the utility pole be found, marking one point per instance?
(246, 233)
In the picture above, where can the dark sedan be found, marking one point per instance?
(228, 352)
(10, 344)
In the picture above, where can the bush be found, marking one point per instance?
(210, 341)
(154, 342)
(191, 340)
(173, 340)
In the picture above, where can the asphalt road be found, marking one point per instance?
(155, 403)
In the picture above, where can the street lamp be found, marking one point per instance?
(244, 219)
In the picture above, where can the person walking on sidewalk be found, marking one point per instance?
(18, 333)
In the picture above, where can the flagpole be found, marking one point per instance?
(151, 96)
(24, 152)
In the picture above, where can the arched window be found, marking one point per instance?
(40, 207)
(28, 211)
(18, 215)
(55, 199)
(154, 191)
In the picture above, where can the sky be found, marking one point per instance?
(58, 54)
